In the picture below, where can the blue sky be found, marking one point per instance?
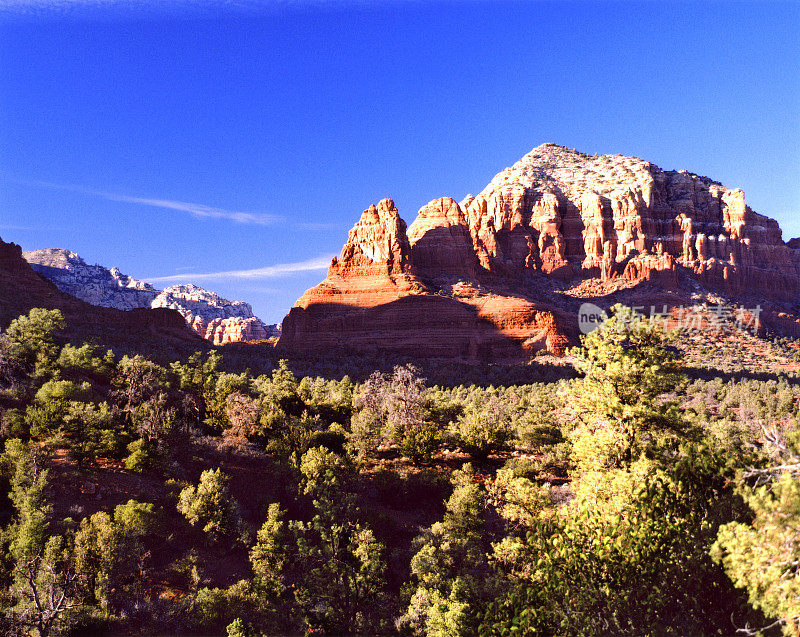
(242, 139)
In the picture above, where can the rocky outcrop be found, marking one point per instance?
(427, 325)
(491, 277)
(91, 283)
(373, 267)
(214, 318)
(234, 330)
(377, 245)
(384, 293)
(440, 241)
(562, 212)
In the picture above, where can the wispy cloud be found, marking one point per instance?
(315, 226)
(201, 211)
(268, 272)
(198, 210)
(258, 289)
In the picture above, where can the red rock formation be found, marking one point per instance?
(607, 216)
(218, 320)
(557, 212)
(440, 241)
(373, 267)
(428, 325)
(375, 296)
(221, 331)
(377, 245)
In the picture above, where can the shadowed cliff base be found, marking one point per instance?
(493, 329)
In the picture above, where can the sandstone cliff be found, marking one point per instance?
(562, 212)
(376, 296)
(500, 275)
(214, 318)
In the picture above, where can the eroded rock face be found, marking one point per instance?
(383, 292)
(373, 267)
(611, 216)
(233, 330)
(558, 214)
(212, 317)
(377, 245)
(440, 240)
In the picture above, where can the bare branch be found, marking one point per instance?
(752, 632)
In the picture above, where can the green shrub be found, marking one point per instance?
(216, 608)
(483, 428)
(13, 424)
(137, 518)
(420, 441)
(143, 457)
(332, 439)
(85, 359)
(31, 340)
(366, 434)
(211, 507)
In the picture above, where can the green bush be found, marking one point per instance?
(211, 507)
(216, 608)
(366, 434)
(332, 439)
(31, 340)
(420, 441)
(136, 518)
(639, 567)
(142, 457)
(483, 428)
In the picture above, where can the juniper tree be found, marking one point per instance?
(763, 557)
(211, 507)
(620, 403)
(450, 568)
(31, 339)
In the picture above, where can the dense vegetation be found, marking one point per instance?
(180, 498)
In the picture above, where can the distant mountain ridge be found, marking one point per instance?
(91, 283)
(214, 318)
(159, 332)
